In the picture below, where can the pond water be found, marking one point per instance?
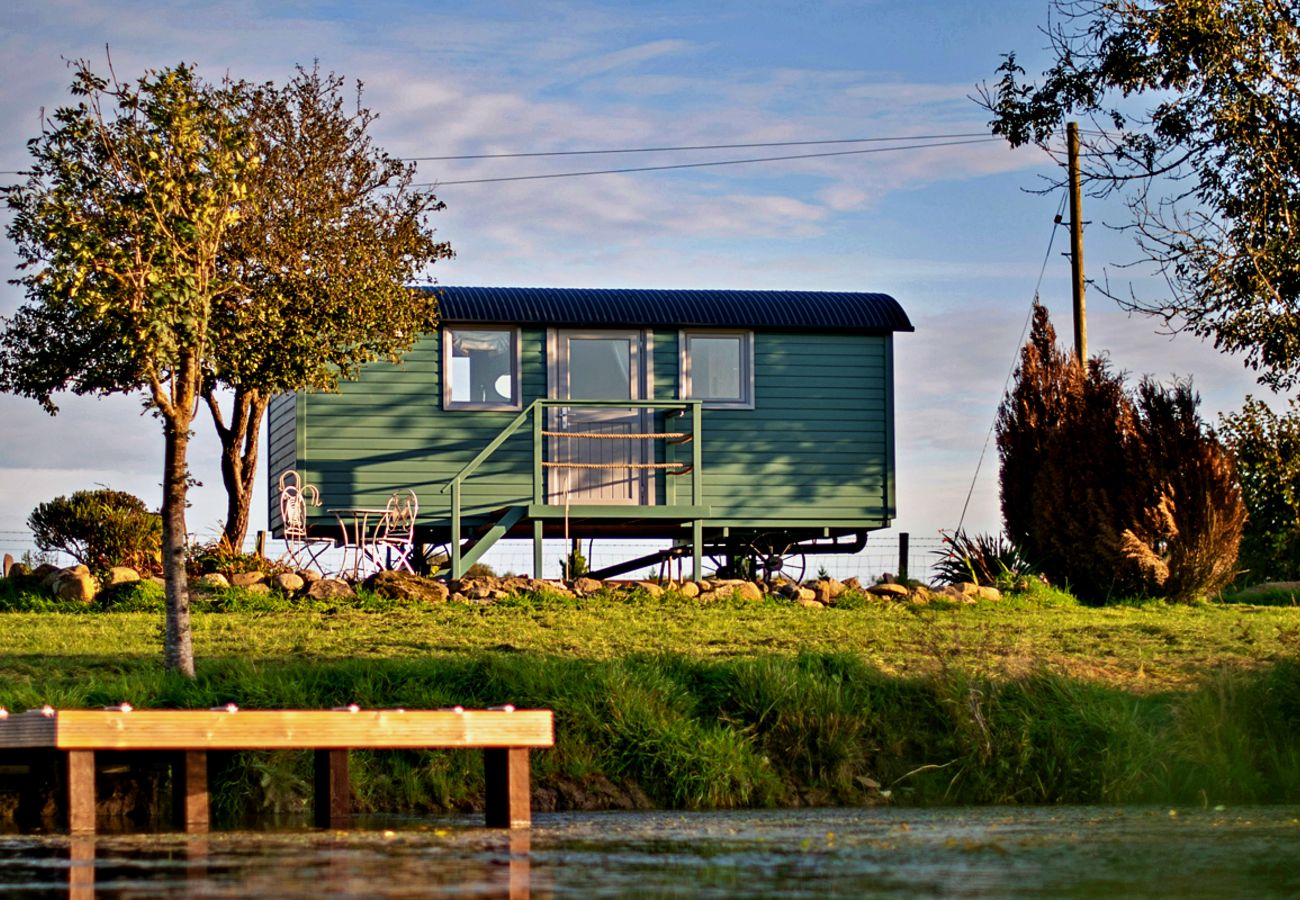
(986, 852)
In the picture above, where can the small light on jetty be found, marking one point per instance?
(4, 713)
(351, 707)
(229, 707)
(453, 709)
(509, 707)
(121, 707)
(47, 711)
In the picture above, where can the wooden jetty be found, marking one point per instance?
(75, 735)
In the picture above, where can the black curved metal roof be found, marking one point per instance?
(794, 310)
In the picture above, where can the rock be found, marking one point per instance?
(214, 580)
(651, 588)
(261, 588)
(888, 590)
(289, 582)
(689, 589)
(582, 586)
(76, 585)
(707, 596)
(852, 584)
(921, 594)
(331, 589)
(480, 592)
(458, 597)
(747, 590)
(803, 595)
(122, 575)
(309, 576)
(968, 588)
(43, 571)
(19, 570)
(830, 588)
(703, 585)
(159, 580)
(247, 579)
(984, 592)
(8, 564)
(810, 603)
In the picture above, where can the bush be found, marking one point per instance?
(983, 559)
(1266, 449)
(1111, 492)
(100, 529)
(218, 557)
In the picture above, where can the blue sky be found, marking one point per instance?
(951, 232)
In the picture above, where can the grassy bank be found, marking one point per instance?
(673, 703)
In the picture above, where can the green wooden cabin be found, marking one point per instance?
(743, 425)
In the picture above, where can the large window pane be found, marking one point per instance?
(480, 368)
(599, 369)
(716, 369)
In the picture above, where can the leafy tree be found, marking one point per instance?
(119, 230)
(100, 529)
(1109, 491)
(1209, 168)
(1266, 447)
(330, 236)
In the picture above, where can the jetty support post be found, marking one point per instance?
(507, 789)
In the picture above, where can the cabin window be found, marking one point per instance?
(480, 368)
(718, 368)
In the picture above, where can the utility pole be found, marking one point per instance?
(1076, 245)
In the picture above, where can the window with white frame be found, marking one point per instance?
(480, 367)
(718, 368)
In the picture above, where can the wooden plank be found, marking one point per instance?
(190, 805)
(508, 800)
(80, 790)
(289, 729)
(332, 790)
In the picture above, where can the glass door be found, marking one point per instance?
(596, 463)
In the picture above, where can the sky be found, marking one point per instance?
(957, 234)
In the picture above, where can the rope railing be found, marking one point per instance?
(678, 468)
(680, 435)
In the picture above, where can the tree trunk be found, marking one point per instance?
(239, 459)
(178, 651)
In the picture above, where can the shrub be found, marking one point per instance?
(985, 559)
(100, 529)
(1266, 449)
(1112, 492)
(218, 557)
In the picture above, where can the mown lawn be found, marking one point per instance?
(1140, 648)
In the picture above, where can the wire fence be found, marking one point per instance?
(881, 556)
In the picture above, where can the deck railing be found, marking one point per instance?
(543, 436)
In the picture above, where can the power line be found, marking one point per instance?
(701, 165)
(944, 140)
(1056, 223)
(909, 137)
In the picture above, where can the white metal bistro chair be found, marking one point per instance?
(394, 540)
(301, 549)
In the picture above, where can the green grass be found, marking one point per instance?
(1033, 699)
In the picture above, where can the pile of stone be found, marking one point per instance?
(76, 583)
(72, 583)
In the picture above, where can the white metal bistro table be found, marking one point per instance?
(360, 526)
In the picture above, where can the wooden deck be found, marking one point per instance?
(505, 736)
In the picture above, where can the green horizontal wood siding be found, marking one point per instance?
(816, 449)
(815, 446)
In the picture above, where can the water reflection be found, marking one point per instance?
(1068, 852)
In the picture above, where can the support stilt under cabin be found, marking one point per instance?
(744, 426)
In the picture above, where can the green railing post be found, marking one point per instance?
(697, 456)
(455, 530)
(539, 450)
